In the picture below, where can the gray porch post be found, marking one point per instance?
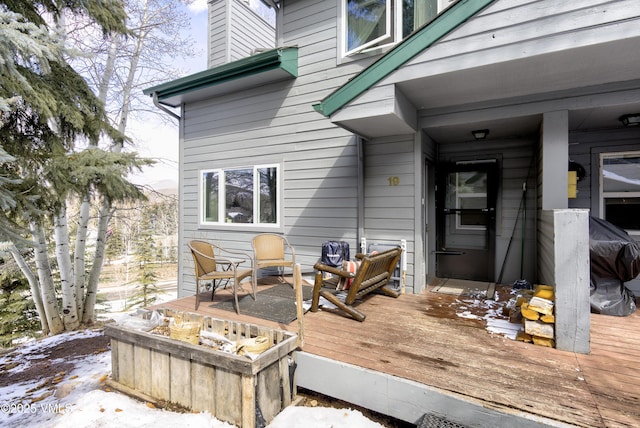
(555, 160)
(563, 239)
(571, 253)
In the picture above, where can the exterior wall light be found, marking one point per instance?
(630, 119)
(481, 134)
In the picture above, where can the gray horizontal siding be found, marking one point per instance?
(389, 214)
(229, 39)
(514, 29)
(217, 39)
(243, 43)
(277, 123)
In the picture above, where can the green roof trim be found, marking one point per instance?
(285, 59)
(423, 38)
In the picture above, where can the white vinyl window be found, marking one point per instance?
(369, 24)
(620, 189)
(246, 195)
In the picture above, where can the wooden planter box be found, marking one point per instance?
(231, 387)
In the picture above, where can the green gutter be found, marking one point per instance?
(422, 39)
(284, 58)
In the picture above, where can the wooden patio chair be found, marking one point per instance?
(270, 250)
(374, 273)
(221, 267)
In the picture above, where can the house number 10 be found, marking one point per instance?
(394, 180)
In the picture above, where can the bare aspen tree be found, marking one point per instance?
(120, 69)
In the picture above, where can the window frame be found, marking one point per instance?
(394, 25)
(389, 33)
(221, 223)
(603, 195)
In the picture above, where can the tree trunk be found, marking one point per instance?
(133, 67)
(90, 284)
(45, 278)
(98, 260)
(33, 284)
(109, 68)
(79, 259)
(63, 256)
(106, 209)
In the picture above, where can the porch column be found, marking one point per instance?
(554, 148)
(563, 238)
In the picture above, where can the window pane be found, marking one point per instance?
(472, 195)
(238, 195)
(466, 184)
(211, 198)
(416, 13)
(268, 194)
(468, 191)
(475, 217)
(623, 212)
(621, 190)
(474, 182)
(366, 22)
(621, 174)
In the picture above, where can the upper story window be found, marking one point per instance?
(620, 189)
(247, 195)
(369, 24)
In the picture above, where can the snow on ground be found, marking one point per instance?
(82, 400)
(496, 323)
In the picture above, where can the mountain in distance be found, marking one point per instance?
(166, 187)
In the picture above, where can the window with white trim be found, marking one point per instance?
(620, 189)
(370, 24)
(245, 195)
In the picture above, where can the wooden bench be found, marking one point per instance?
(374, 273)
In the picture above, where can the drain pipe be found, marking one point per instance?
(163, 108)
(360, 189)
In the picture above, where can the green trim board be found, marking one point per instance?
(416, 43)
(284, 60)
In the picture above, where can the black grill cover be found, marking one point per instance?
(615, 259)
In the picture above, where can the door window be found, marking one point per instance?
(469, 194)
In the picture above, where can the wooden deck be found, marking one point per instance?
(421, 340)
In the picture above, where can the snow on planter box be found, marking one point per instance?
(241, 373)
